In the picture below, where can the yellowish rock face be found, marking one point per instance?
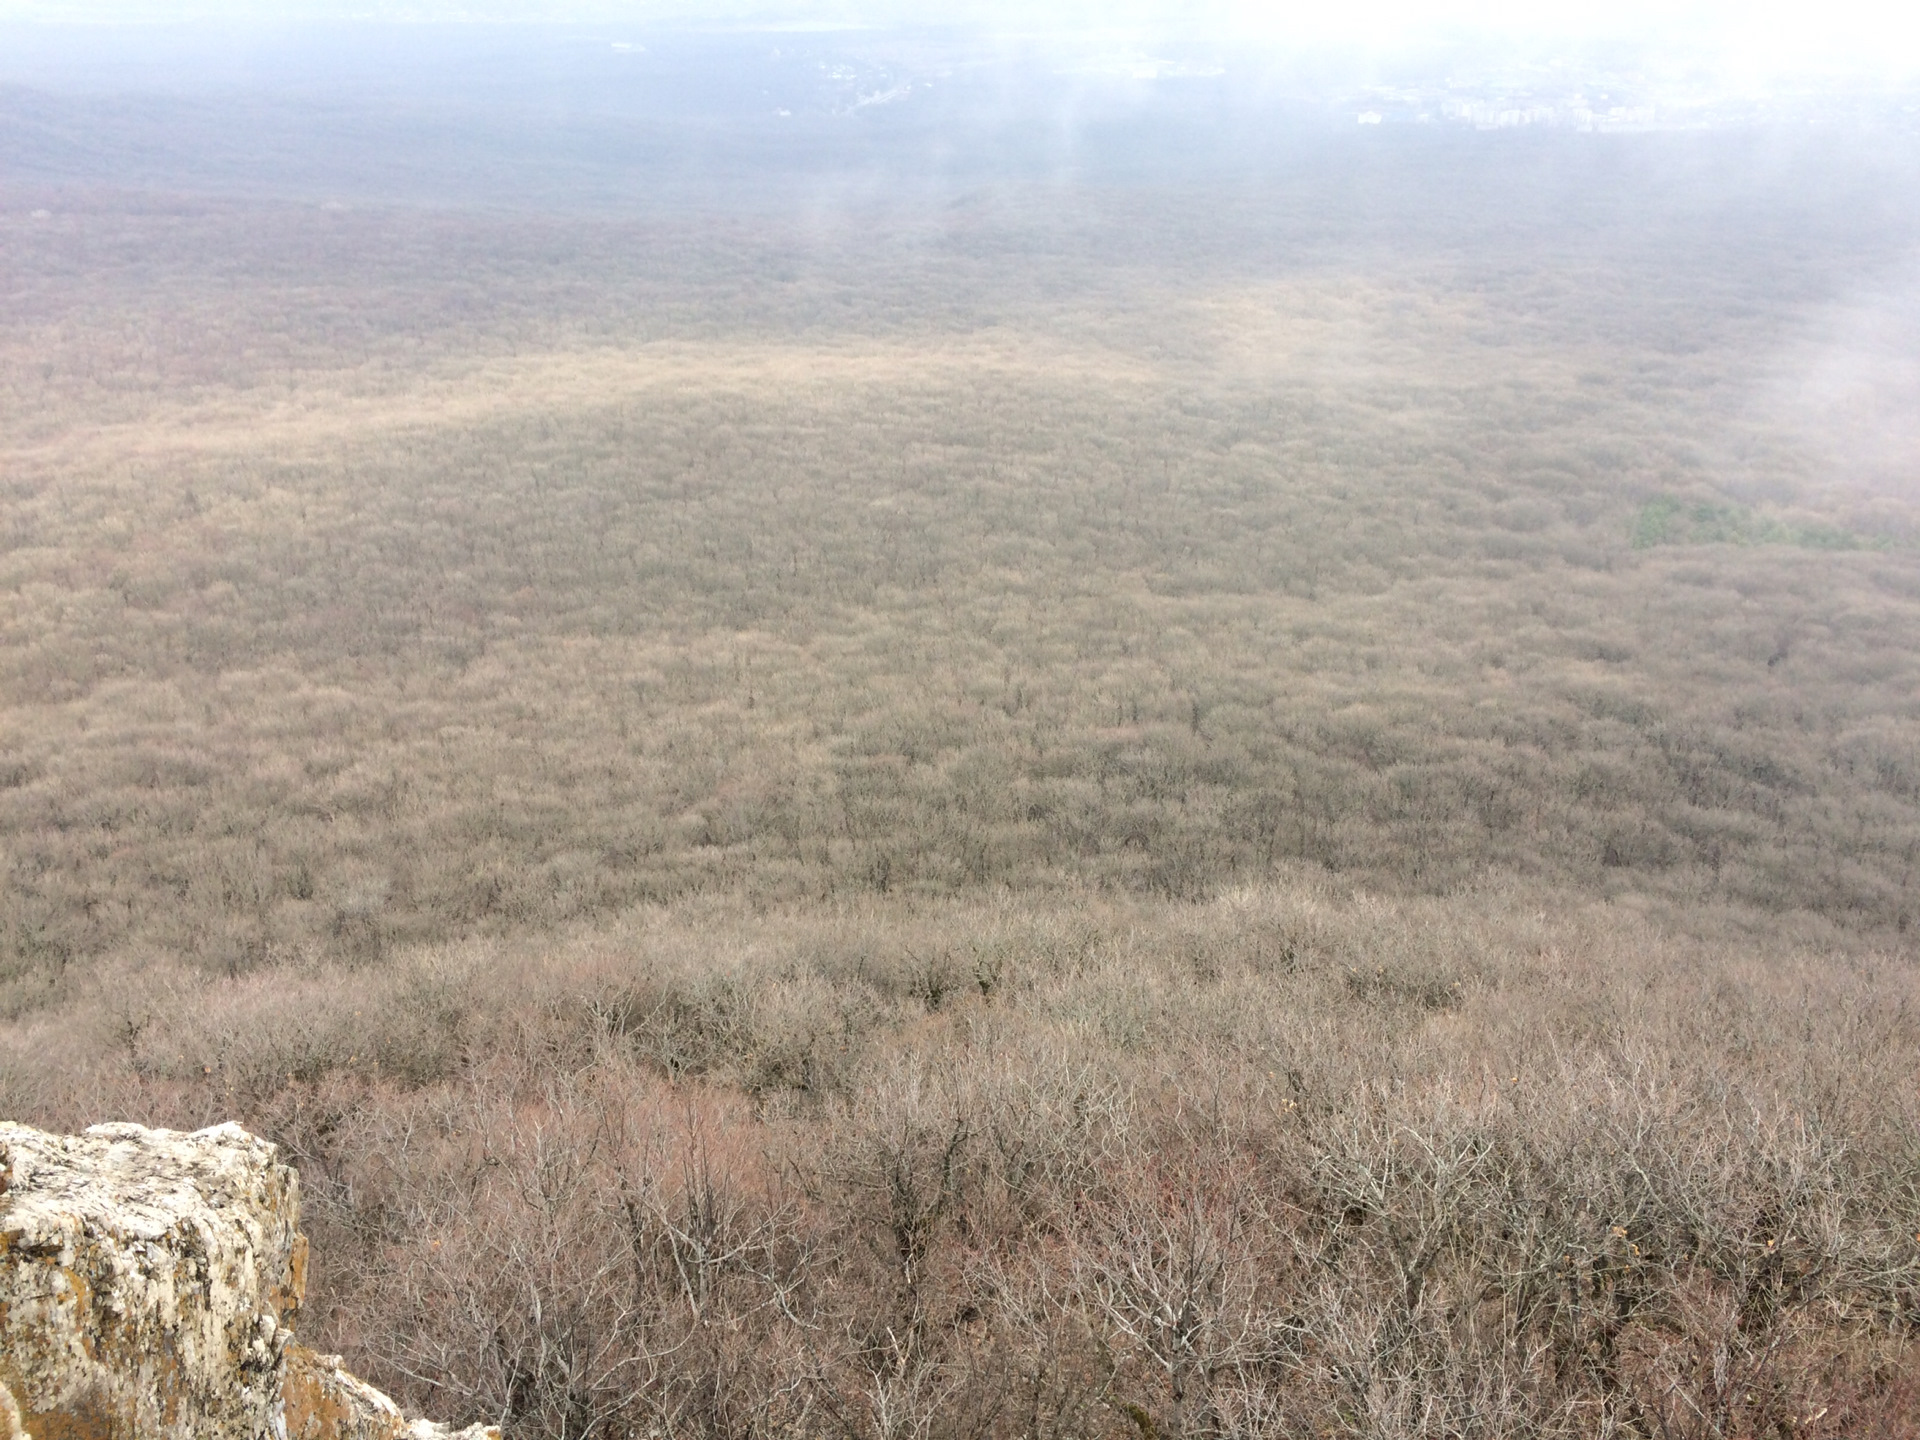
(149, 1284)
(147, 1280)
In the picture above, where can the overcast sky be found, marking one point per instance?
(1766, 36)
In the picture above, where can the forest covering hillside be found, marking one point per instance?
(1222, 789)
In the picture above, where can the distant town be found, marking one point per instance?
(1564, 98)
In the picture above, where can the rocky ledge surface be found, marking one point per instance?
(150, 1284)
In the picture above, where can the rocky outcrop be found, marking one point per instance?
(150, 1282)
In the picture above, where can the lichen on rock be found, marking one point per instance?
(150, 1281)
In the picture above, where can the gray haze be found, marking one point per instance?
(589, 110)
(1774, 137)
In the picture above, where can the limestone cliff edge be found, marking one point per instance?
(150, 1284)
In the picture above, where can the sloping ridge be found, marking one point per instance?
(150, 1284)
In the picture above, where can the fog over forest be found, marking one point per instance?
(1019, 724)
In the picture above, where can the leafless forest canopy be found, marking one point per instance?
(991, 765)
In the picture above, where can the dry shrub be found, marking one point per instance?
(1171, 1172)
